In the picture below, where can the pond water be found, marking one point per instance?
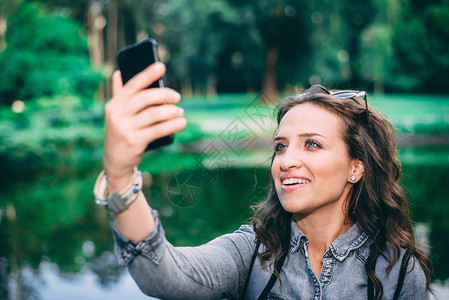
(55, 243)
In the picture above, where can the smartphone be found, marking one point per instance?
(134, 59)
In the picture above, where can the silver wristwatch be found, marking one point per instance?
(117, 202)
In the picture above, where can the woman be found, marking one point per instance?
(334, 225)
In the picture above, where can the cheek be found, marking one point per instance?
(325, 170)
(275, 171)
(331, 167)
(335, 174)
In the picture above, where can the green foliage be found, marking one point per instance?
(227, 41)
(334, 39)
(49, 132)
(421, 48)
(205, 40)
(394, 45)
(427, 190)
(44, 55)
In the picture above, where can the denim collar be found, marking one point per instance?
(352, 239)
(298, 237)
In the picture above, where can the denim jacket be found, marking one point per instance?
(218, 269)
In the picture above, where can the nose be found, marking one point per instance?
(290, 159)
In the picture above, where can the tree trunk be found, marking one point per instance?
(354, 54)
(3, 27)
(111, 41)
(211, 89)
(95, 24)
(186, 86)
(270, 91)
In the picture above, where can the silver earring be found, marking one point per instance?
(353, 178)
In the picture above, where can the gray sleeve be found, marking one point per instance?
(414, 286)
(215, 270)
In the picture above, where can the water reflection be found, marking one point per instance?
(50, 284)
(55, 231)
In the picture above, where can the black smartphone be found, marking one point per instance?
(134, 59)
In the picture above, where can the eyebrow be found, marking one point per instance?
(302, 135)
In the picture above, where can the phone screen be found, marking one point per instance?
(133, 60)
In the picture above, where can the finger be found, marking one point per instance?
(162, 129)
(117, 84)
(157, 114)
(150, 97)
(143, 79)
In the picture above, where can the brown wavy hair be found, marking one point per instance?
(377, 201)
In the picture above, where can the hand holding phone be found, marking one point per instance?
(134, 59)
(133, 118)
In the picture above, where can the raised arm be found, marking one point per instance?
(134, 117)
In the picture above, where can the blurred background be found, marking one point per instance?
(231, 60)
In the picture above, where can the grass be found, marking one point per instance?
(425, 114)
(428, 114)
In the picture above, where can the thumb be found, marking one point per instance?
(116, 82)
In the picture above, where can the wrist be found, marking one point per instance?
(117, 182)
(119, 200)
(117, 178)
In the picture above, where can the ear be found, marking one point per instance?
(357, 169)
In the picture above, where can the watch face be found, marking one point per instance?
(116, 203)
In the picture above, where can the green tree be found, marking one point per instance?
(44, 55)
(284, 28)
(241, 44)
(377, 44)
(421, 47)
(357, 15)
(201, 37)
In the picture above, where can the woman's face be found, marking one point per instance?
(311, 167)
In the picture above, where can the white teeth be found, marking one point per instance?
(295, 180)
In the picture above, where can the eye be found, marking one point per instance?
(311, 144)
(279, 147)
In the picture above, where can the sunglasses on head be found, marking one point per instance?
(351, 94)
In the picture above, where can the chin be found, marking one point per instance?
(291, 207)
(295, 205)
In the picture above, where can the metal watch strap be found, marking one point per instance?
(117, 202)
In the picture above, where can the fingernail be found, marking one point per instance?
(177, 96)
(180, 111)
(159, 64)
(156, 67)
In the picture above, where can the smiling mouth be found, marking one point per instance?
(294, 181)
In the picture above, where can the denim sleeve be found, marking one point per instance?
(414, 286)
(215, 270)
